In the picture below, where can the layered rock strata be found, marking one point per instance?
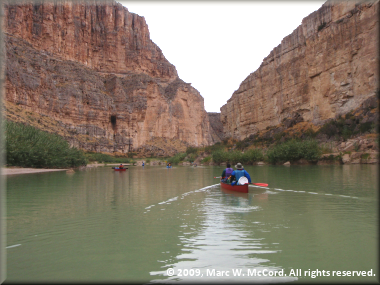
(91, 67)
(325, 68)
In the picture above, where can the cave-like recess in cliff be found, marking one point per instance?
(113, 121)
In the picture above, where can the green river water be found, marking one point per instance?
(310, 224)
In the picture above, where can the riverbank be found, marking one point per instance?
(21, 170)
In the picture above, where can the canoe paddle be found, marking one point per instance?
(118, 168)
(257, 184)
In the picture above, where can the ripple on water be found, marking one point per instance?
(221, 246)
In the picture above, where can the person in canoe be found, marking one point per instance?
(238, 173)
(227, 173)
(121, 166)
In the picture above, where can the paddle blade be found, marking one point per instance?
(260, 184)
(217, 177)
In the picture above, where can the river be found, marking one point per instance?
(311, 224)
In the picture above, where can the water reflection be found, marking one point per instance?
(225, 245)
(101, 225)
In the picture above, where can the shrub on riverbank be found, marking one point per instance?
(249, 157)
(293, 150)
(29, 147)
(177, 158)
(105, 158)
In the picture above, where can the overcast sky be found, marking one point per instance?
(215, 45)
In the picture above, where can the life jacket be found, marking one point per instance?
(239, 173)
(228, 172)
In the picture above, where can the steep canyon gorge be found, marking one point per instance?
(89, 71)
(327, 67)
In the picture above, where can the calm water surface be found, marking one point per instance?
(101, 225)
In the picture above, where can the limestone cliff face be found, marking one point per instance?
(216, 127)
(92, 68)
(103, 35)
(325, 68)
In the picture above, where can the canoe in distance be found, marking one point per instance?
(238, 188)
(118, 169)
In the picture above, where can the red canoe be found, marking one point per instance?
(235, 193)
(118, 169)
(238, 188)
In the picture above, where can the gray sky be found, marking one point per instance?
(215, 45)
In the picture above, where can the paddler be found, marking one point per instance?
(227, 173)
(121, 166)
(238, 173)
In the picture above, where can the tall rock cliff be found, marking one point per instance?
(325, 68)
(92, 69)
(216, 127)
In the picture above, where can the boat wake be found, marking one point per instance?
(314, 193)
(13, 245)
(181, 196)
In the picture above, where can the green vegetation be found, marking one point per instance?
(131, 154)
(191, 150)
(278, 145)
(293, 150)
(105, 158)
(253, 155)
(365, 156)
(219, 156)
(192, 157)
(206, 159)
(242, 144)
(326, 148)
(29, 147)
(215, 147)
(177, 158)
(346, 127)
(248, 157)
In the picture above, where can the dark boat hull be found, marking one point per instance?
(237, 188)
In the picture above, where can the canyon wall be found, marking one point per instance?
(216, 125)
(92, 70)
(325, 68)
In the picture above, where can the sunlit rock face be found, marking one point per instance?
(325, 68)
(92, 67)
(103, 35)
